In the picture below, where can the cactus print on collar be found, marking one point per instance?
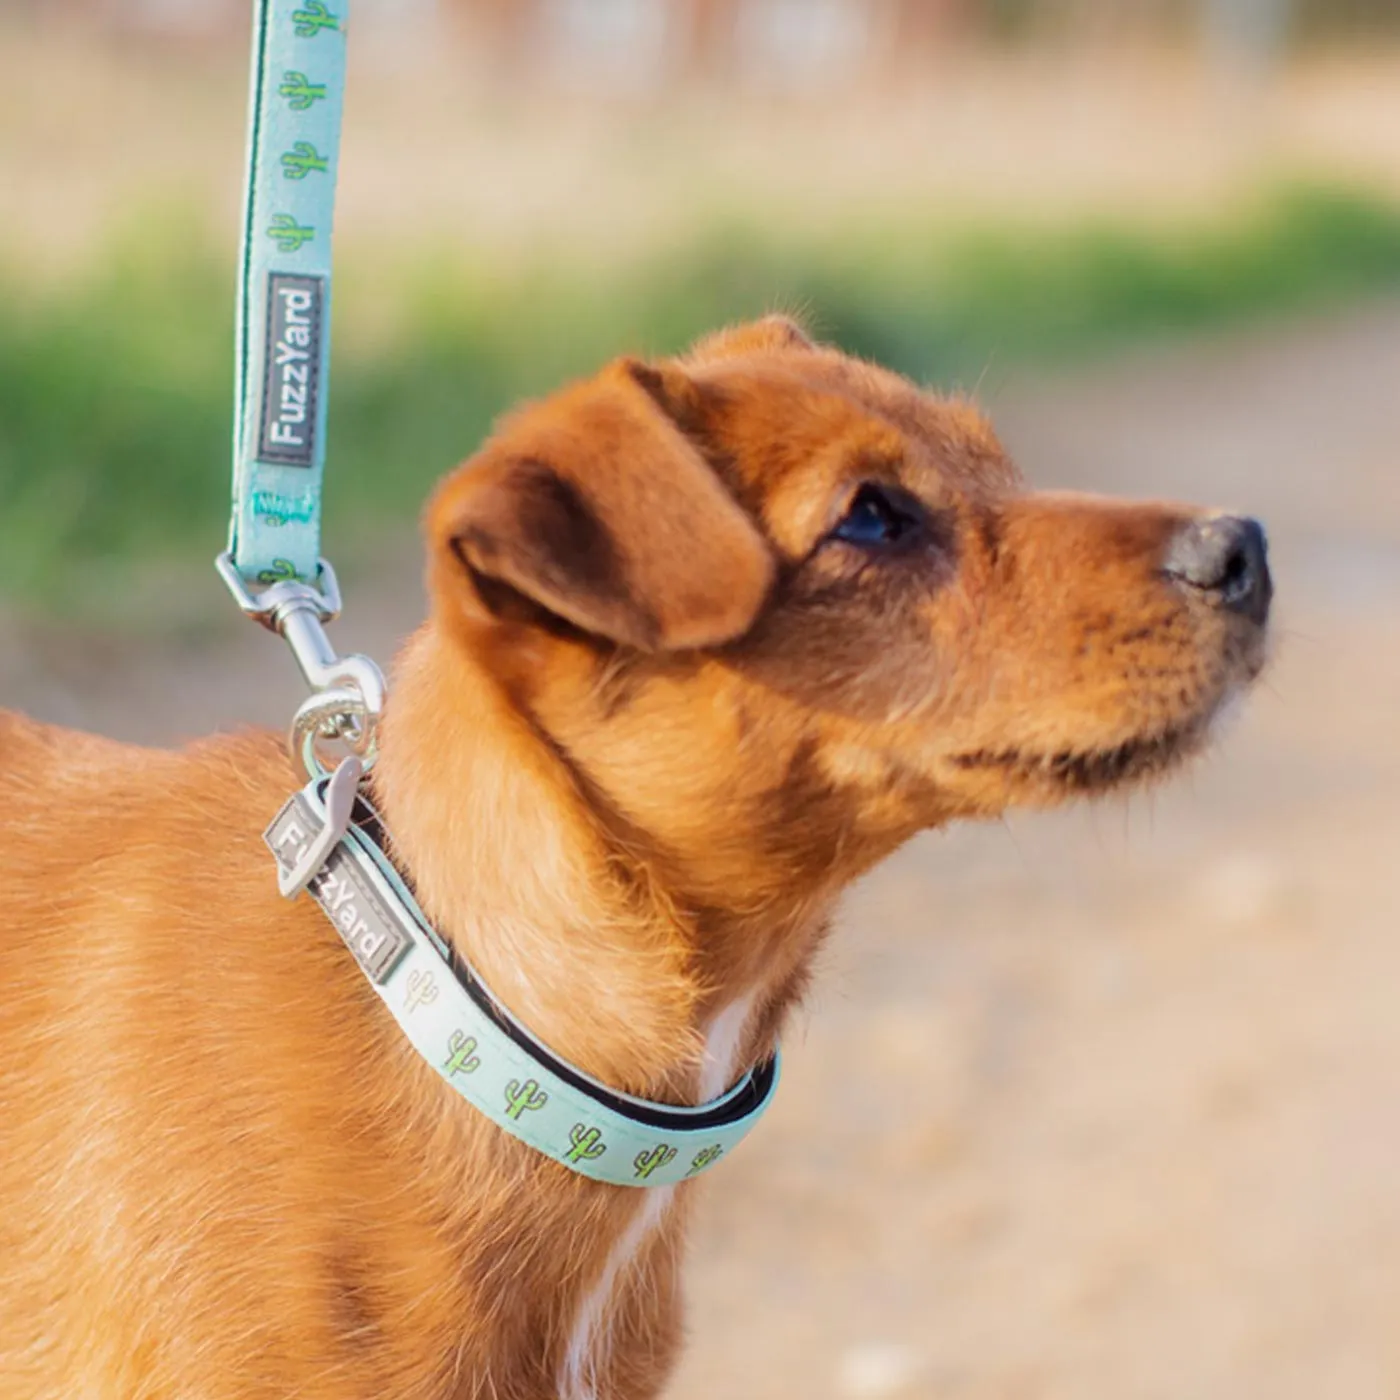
(485, 1056)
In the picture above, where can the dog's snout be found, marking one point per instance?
(1227, 556)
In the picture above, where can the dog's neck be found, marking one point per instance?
(576, 936)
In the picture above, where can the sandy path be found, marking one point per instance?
(1105, 1104)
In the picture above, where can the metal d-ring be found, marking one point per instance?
(338, 713)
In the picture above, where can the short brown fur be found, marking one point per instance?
(658, 718)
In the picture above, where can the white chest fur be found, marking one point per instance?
(589, 1340)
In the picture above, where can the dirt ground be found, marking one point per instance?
(1099, 1105)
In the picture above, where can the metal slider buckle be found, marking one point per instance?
(348, 691)
(339, 799)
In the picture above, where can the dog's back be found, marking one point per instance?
(143, 1045)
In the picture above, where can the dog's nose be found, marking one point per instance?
(1228, 556)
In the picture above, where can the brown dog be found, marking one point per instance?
(709, 637)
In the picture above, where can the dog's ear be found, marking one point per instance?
(595, 506)
(770, 334)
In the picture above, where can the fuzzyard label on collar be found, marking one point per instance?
(478, 1048)
(371, 928)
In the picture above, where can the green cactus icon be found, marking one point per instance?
(288, 234)
(703, 1159)
(280, 569)
(313, 18)
(299, 92)
(462, 1057)
(301, 160)
(644, 1163)
(421, 990)
(587, 1144)
(521, 1098)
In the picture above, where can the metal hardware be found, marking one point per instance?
(261, 606)
(348, 691)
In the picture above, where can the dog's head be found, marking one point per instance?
(777, 608)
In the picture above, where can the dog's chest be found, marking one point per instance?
(589, 1352)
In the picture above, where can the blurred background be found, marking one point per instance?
(1100, 1104)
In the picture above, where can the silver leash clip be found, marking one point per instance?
(348, 697)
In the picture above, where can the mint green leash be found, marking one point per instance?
(282, 369)
(324, 839)
(284, 292)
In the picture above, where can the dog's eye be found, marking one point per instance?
(877, 516)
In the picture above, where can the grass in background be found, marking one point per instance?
(115, 394)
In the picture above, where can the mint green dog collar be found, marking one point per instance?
(470, 1039)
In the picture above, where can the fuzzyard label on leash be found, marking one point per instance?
(291, 369)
